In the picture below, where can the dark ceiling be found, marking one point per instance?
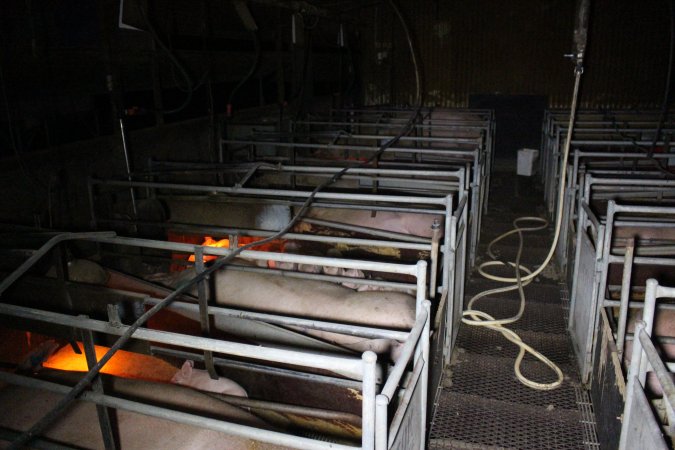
(68, 70)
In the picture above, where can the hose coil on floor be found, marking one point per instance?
(479, 318)
(476, 317)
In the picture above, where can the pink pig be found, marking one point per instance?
(201, 380)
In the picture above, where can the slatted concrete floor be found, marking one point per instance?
(482, 405)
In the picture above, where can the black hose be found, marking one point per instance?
(669, 73)
(188, 80)
(413, 56)
(251, 72)
(56, 411)
(299, 96)
(657, 163)
(32, 180)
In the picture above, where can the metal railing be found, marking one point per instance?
(612, 131)
(607, 164)
(597, 249)
(374, 428)
(641, 428)
(447, 200)
(348, 132)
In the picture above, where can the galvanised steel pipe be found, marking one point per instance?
(268, 436)
(264, 256)
(354, 330)
(350, 367)
(274, 192)
(421, 244)
(51, 243)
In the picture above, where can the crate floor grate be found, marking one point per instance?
(481, 404)
(494, 377)
(541, 317)
(488, 342)
(535, 292)
(492, 423)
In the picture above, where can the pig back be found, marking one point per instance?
(406, 223)
(314, 299)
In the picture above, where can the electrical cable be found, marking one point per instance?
(28, 176)
(219, 263)
(299, 96)
(188, 80)
(657, 163)
(200, 82)
(476, 317)
(664, 105)
(352, 72)
(251, 72)
(479, 318)
(669, 72)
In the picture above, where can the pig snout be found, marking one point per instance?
(201, 380)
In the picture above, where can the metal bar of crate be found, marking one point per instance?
(268, 436)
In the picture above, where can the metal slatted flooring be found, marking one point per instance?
(481, 404)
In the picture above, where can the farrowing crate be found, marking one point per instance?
(399, 157)
(596, 131)
(642, 426)
(435, 194)
(400, 389)
(601, 164)
(600, 242)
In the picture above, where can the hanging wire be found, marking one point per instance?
(25, 437)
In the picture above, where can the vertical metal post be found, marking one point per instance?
(581, 227)
(156, 84)
(151, 192)
(475, 211)
(561, 250)
(109, 441)
(482, 196)
(128, 166)
(421, 291)
(424, 378)
(92, 210)
(600, 281)
(368, 403)
(435, 238)
(595, 303)
(61, 265)
(575, 170)
(648, 318)
(460, 266)
(204, 319)
(650, 305)
(381, 425)
(448, 248)
(630, 388)
(625, 297)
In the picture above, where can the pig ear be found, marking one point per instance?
(186, 370)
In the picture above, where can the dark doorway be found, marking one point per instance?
(519, 119)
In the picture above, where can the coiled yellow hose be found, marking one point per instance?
(479, 318)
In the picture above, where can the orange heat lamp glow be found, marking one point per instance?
(210, 242)
(123, 364)
(277, 245)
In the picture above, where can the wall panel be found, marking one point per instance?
(517, 47)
